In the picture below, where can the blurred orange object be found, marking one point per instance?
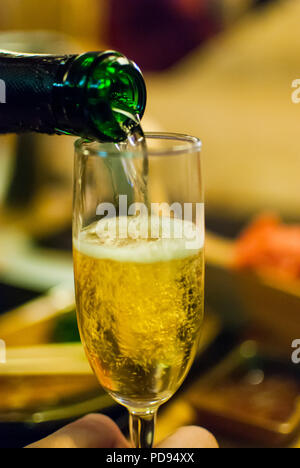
(269, 246)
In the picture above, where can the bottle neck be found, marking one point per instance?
(28, 83)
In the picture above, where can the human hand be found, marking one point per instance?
(98, 431)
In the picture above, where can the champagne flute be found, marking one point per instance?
(139, 269)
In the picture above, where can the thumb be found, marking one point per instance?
(93, 431)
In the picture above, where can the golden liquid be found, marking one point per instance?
(139, 321)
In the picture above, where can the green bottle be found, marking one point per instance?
(97, 95)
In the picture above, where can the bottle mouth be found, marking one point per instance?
(117, 96)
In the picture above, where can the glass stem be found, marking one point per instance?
(142, 426)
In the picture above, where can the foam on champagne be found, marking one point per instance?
(140, 239)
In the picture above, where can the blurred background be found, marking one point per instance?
(218, 69)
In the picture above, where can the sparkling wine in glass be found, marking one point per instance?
(139, 270)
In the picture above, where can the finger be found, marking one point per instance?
(190, 437)
(93, 431)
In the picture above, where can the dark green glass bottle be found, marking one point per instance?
(97, 95)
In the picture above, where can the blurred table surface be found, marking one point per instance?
(180, 413)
